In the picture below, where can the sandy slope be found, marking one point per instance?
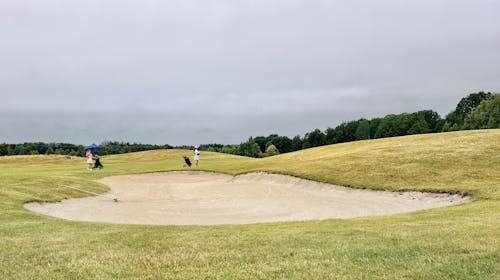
(202, 198)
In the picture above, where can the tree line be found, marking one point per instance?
(68, 149)
(479, 110)
(476, 111)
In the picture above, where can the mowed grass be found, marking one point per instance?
(459, 242)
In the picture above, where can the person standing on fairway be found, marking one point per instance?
(196, 155)
(89, 156)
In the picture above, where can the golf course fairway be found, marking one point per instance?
(456, 242)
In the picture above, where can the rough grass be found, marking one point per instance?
(459, 242)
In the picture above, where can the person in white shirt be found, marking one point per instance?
(196, 155)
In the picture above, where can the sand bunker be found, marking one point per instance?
(202, 198)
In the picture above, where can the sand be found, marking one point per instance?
(203, 198)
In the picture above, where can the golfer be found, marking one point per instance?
(196, 155)
(89, 156)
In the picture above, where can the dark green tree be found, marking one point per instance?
(249, 149)
(374, 123)
(297, 143)
(11, 150)
(230, 149)
(282, 143)
(486, 115)
(314, 139)
(419, 126)
(350, 130)
(3, 149)
(455, 119)
(335, 135)
(49, 151)
(394, 125)
(261, 141)
(363, 130)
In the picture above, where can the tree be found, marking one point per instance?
(3, 149)
(350, 130)
(249, 149)
(11, 150)
(49, 151)
(19, 150)
(272, 150)
(297, 143)
(395, 125)
(335, 135)
(314, 139)
(229, 149)
(455, 119)
(419, 126)
(363, 130)
(282, 143)
(261, 141)
(486, 115)
(344, 132)
(374, 123)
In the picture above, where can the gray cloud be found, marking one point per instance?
(219, 71)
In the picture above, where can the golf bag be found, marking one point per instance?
(188, 161)
(98, 163)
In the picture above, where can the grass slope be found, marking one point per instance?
(460, 242)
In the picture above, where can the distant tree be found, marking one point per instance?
(3, 149)
(455, 119)
(210, 147)
(350, 130)
(374, 123)
(282, 143)
(268, 144)
(432, 119)
(419, 126)
(387, 127)
(395, 125)
(20, 150)
(297, 143)
(261, 141)
(314, 139)
(230, 149)
(339, 134)
(49, 151)
(272, 150)
(80, 151)
(329, 135)
(363, 130)
(11, 150)
(486, 115)
(249, 149)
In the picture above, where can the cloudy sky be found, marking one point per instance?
(190, 72)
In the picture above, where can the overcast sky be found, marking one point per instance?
(191, 72)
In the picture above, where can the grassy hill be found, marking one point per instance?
(459, 242)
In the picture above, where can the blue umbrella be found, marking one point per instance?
(93, 148)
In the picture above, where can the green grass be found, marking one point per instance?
(459, 242)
